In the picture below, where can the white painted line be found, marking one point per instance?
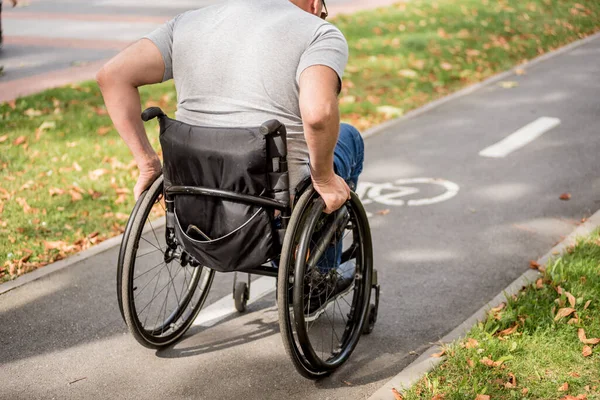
(225, 307)
(521, 137)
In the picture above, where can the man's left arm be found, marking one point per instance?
(139, 64)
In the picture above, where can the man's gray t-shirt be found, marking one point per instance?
(238, 64)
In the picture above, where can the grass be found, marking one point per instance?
(526, 350)
(65, 175)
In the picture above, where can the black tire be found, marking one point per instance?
(240, 296)
(173, 318)
(301, 345)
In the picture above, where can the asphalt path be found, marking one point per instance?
(62, 336)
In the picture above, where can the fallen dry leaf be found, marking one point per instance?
(587, 304)
(446, 66)
(490, 363)
(30, 112)
(470, 363)
(564, 312)
(75, 195)
(383, 212)
(499, 308)
(525, 391)
(471, 343)
(23, 203)
(482, 397)
(408, 73)
(565, 196)
(574, 374)
(3, 138)
(438, 355)
(587, 351)
(397, 394)
(509, 331)
(96, 174)
(571, 299)
(103, 130)
(77, 167)
(539, 284)
(508, 84)
(438, 397)
(512, 381)
(100, 111)
(564, 387)
(534, 264)
(520, 71)
(19, 141)
(584, 340)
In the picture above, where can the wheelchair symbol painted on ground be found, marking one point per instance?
(407, 192)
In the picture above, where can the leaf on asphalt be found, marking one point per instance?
(587, 304)
(438, 355)
(19, 141)
(482, 397)
(564, 312)
(508, 84)
(103, 130)
(584, 339)
(383, 212)
(571, 299)
(509, 331)
(96, 174)
(587, 351)
(564, 387)
(565, 196)
(534, 264)
(397, 394)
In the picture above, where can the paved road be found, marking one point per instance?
(50, 43)
(62, 336)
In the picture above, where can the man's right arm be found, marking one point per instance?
(321, 119)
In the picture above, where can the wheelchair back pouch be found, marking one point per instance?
(222, 234)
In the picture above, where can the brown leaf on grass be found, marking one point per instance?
(584, 339)
(438, 397)
(559, 290)
(121, 199)
(100, 111)
(499, 308)
(471, 343)
(574, 374)
(30, 112)
(565, 196)
(587, 304)
(23, 203)
(408, 73)
(438, 355)
(587, 351)
(525, 391)
(473, 52)
(564, 387)
(96, 174)
(482, 397)
(46, 125)
(121, 216)
(534, 264)
(564, 312)
(539, 284)
(3, 138)
(75, 195)
(512, 381)
(77, 167)
(19, 141)
(490, 363)
(55, 191)
(509, 331)
(103, 130)
(397, 394)
(383, 212)
(470, 363)
(446, 66)
(571, 299)
(123, 190)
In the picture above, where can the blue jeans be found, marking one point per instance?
(348, 161)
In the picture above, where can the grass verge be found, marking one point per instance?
(540, 344)
(65, 175)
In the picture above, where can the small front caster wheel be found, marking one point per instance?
(371, 320)
(240, 296)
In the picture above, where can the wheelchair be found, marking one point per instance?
(223, 205)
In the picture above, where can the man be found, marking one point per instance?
(14, 3)
(241, 63)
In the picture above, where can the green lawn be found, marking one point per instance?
(66, 177)
(543, 344)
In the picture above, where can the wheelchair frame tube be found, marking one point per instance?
(225, 194)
